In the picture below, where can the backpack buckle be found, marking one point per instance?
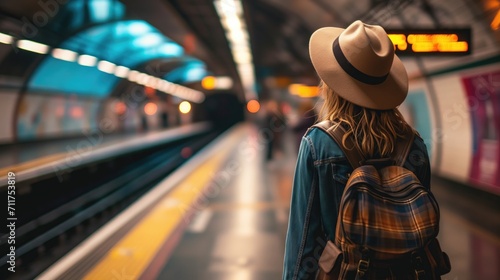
(419, 274)
(363, 263)
(418, 266)
(362, 269)
(363, 266)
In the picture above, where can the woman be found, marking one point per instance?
(363, 82)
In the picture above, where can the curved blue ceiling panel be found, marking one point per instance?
(71, 78)
(127, 43)
(192, 71)
(76, 14)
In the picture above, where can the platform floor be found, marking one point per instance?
(241, 232)
(238, 230)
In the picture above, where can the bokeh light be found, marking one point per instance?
(120, 108)
(76, 112)
(208, 82)
(253, 106)
(185, 107)
(150, 108)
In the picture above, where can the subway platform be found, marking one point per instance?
(223, 215)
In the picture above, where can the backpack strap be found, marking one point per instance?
(402, 148)
(337, 132)
(353, 155)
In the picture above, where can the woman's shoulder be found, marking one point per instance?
(322, 143)
(418, 142)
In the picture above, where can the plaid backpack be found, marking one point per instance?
(387, 222)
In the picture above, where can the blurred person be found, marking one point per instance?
(274, 125)
(362, 84)
(306, 118)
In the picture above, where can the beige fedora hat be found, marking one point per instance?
(359, 64)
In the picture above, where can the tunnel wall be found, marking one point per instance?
(46, 116)
(463, 124)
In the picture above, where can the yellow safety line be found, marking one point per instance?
(134, 252)
(251, 205)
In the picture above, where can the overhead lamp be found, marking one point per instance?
(121, 71)
(185, 107)
(133, 76)
(224, 82)
(253, 106)
(231, 17)
(233, 22)
(63, 54)
(87, 60)
(237, 35)
(6, 39)
(227, 7)
(179, 91)
(150, 108)
(165, 86)
(31, 46)
(211, 82)
(152, 82)
(242, 57)
(106, 66)
(246, 69)
(142, 78)
(303, 91)
(238, 45)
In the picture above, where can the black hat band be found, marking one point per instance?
(351, 70)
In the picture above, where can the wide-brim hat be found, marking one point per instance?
(358, 63)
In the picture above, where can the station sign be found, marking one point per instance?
(431, 41)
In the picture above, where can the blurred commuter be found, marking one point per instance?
(273, 125)
(144, 122)
(306, 118)
(362, 83)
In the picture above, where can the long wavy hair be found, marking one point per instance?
(374, 131)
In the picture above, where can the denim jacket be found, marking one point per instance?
(320, 176)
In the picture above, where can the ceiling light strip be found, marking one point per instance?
(232, 20)
(6, 39)
(32, 46)
(108, 67)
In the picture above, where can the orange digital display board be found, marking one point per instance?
(434, 41)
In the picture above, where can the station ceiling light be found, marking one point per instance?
(185, 107)
(106, 66)
(221, 82)
(6, 39)
(303, 91)
(133, 76)
(87, 60)
(253, 106)
(150, 108)
(119, 71)
(232, 20)
(64, 54)
(32, 46)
